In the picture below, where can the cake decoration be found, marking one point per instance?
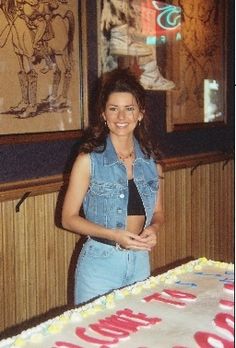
(191, 306)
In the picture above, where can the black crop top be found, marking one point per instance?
(135, 204)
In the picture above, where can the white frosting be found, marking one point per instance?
(180, 308)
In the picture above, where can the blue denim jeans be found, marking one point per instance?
(102, 268)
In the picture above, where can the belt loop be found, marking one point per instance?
(118, 247)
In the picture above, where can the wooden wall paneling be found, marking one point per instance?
(217, 201)
(51, 250)
(227, 247)
(30, 256)
(211, 195)
(210, 212)
(181, 187)
(57, 286)
(203, 189)
(20, 264)
(196, 228)
(174, 233)
(221, 208)
(209, 236)
(62, 260)
(169, 216)
(177, 223)
(229, 215)
(173, 220)
(10, 287)
(187, 213)
(219, 204)
(226, 240)
(41, 285)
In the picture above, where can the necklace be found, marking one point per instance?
(123, 158)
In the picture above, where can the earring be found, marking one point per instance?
(105, 122)
(139, 122)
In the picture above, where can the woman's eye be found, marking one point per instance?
(130, 108)
(113, 109)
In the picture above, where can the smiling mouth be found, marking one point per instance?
(121, 125)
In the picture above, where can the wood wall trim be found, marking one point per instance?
(33, 187)
(37, 186)
(193, 161)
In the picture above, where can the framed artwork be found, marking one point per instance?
(199, 66)
(42, 69)
(138, 34)
(175, 46)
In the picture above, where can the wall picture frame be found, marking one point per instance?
(43, 90)
(188, 40)
(199, 67)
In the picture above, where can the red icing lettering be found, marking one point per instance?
(110, 331)
(140, 316)
(80, 331)
(116, 327)
(210, 340)
(66, 345)
(157, 297)
(227, 304)
(119, 322)
(229, 287)
(123, 323)
(225, 321)
(179, 294)
(128, 324)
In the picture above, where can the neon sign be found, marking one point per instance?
(160, 22)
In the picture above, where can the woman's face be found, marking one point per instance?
(122, 113)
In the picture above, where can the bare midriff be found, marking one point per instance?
(135, 223)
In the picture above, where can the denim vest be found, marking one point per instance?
(106, 201)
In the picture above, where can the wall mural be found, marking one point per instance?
(39, 66)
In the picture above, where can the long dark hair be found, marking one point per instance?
(119, 80)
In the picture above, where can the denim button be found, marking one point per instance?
(122, 195)
(119, 224)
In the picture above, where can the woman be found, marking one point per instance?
(115, 179)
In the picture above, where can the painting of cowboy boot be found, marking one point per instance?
(129, 29)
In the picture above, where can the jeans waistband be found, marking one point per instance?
(108, 242)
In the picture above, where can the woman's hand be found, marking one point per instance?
(132, 241)
(149, 236)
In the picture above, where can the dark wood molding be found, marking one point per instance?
(33, 187)
(39, 137)
(192, 161)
